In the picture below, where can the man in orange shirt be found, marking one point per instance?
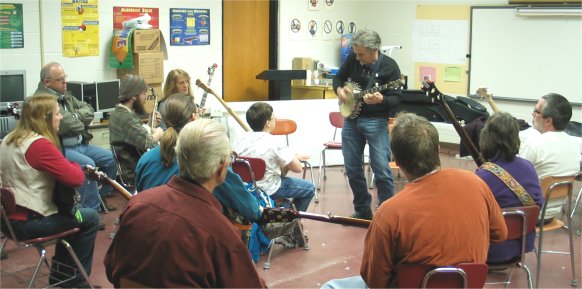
(442, 217)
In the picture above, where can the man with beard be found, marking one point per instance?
(127, 133)
(77, 115)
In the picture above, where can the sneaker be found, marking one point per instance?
(109, 206)
(364, 216)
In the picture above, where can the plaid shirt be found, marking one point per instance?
(130, 139)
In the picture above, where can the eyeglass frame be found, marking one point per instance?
(535, 111)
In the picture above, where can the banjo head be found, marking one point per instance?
(351, 105)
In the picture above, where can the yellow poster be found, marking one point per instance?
(80, 22)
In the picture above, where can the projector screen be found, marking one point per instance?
(523, 57)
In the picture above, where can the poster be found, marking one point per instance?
(189, 27)
(80, 26)
(136, 17)
(11, 23)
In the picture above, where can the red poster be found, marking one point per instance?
(135, 17)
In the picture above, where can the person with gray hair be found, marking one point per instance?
(553, 152)
(420, 225)
(127, 134)
(208, 251)
(367, 67)
(77, 116)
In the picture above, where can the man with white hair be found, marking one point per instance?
(181, 225)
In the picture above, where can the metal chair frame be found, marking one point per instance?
(7, 208)
(520, 221)
(559, 186)
(464, 275)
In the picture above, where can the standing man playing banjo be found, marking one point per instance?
(367, 118)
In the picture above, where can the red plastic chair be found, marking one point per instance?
(337, 121)
(520, 221)
(7, 208)
(464, 275)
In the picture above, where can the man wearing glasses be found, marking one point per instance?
(77, 115)
(553, 152)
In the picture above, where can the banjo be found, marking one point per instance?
(353, 104)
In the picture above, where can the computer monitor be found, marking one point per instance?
(107, 93)
(12, 87)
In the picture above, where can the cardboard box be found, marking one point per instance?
(149, 105)
(146, 40)
(149, 65)
(301, 63)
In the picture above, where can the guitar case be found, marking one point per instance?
(417, 102)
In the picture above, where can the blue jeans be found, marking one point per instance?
(355, 282)
(302, 191)
(355, 133)
(82, 243)
(86, 154)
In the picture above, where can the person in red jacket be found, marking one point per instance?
(31, 164)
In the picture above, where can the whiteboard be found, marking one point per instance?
(525, 57)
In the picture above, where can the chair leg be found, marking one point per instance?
(539, 256)
(3, 245)
(42, 253)
(267, 264)
(528, 275)
(573, 282)
(103, 207)
(321, 169)
(77, 262)
(576, 204)
(307, 165)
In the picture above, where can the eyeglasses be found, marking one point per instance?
(60, 79)
(535, 111)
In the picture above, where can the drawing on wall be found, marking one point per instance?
(329, 4)
(295, 30)
(327, 29)
(11, 24)
(312, 28)
(80, 28)
(189, 27)
(440, 41)
(312, 4)
(339, 27)
(352, 27)
(429, 71)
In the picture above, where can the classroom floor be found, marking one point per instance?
(335, 250)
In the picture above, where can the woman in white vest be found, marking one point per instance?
(31, 165)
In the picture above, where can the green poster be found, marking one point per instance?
(11, 35)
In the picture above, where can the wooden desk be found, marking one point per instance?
(312, 92)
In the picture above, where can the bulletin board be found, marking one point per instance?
(456, 80)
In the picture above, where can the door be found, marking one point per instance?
(245, 49)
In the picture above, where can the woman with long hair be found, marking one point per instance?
(31, 165)
(157, 166)
(177, 81)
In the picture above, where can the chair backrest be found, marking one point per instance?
(556, 187)
(7, 208)
(284, 127)
(520, 221)
(250, 169)
(337, 121)
(464, 275)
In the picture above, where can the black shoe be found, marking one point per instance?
(364, 216)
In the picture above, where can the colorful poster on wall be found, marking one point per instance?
(80, 26)
(11, 23)
(189, 27)
(136, 18)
